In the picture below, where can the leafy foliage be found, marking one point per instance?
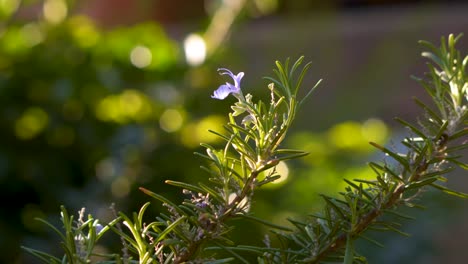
(79, 116)
(193, 231)
(431, 153)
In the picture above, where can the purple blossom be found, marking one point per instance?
(98, 228)
(224, 90)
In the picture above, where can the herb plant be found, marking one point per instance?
(198, 229)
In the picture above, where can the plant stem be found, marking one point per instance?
(229, 212)
(394, 199)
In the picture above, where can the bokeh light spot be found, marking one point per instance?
(130, 102)
(84, 31)
(31, 211)
(32, 34)
(194, 133)
(266, 6)
(7, 7)
(244, 203)
(31, 123)
(282, 170)
(346, 135)
(106, 109)
(355, 136)
(141, 56)
(55, 11)
(120, 187)
(314, 144)
(195, 49)
(171, 120)
(374, 130)
(130, 105)
(105, 169)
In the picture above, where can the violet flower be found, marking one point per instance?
(224, 90)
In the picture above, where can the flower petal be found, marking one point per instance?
(224, 71)
(222, 92)
(237, 78)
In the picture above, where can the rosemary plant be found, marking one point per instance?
(193, 231)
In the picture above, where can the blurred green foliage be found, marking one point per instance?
(334, 154)
(88, 115)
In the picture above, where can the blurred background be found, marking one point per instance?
(99, 97)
